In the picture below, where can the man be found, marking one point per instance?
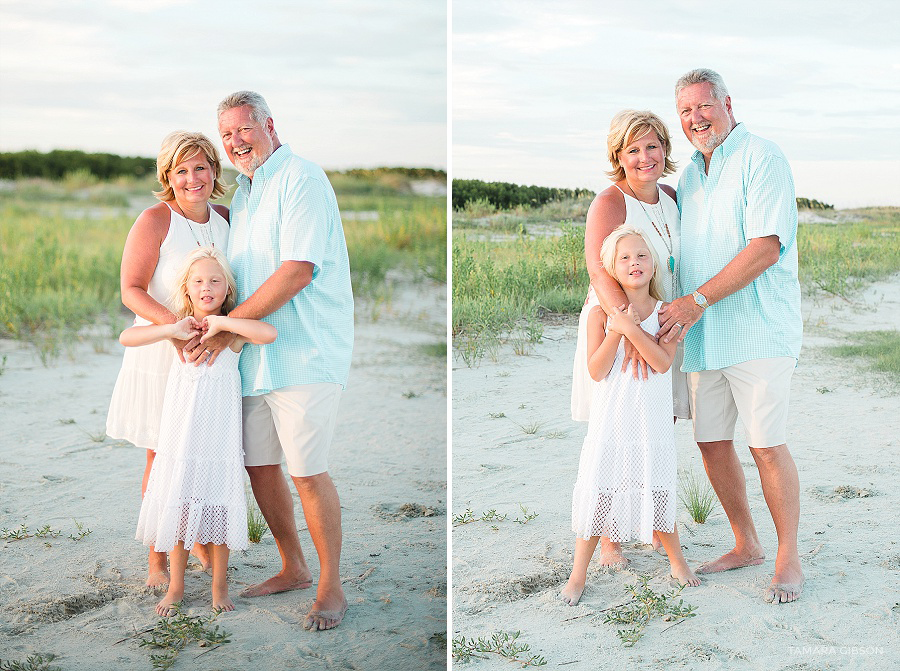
(288, 252)
(739, 263)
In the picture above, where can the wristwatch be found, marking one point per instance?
(700, 300)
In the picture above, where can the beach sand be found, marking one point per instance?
(844, 435)
(78, 599)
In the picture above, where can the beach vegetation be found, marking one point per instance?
(256, 523)
(503, 644)
(879, 350)
(646, 604)
(82, 532)
(697, 496)
(526, 516)
(36, 662)
(173, 634)
(506, 279)
(61, 242)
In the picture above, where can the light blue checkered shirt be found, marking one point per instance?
(289, 213)
(748, 193)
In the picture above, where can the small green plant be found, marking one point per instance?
(527, 515)
(824, 390)
(503, 644)
(96, 436)
(173, 634)
(37, 662)
(556, 435)
(82, 532)
(256, 523)
(45, 531)
(646, 604)
(879, 349)
(496, 415)
(697, 496)
(531, 428)
(468, 517)
(410, 394)
(3, 365)
(16, 534)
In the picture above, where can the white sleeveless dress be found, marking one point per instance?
(136, 403)
(195, 492)
(627, 471)
(665, 210)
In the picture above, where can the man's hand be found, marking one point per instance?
(677, 318)
(208, 351)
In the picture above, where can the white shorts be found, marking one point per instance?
(758, 391)
(297, 422)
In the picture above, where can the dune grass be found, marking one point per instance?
(511, 267)
(879, 350)
(61, 244)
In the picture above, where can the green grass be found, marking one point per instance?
(697, 496)
(512, 267)
(61, 245)
(880, 350)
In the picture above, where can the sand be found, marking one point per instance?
(844, 436)
(77, 599)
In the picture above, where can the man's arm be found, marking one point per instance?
(750, 263)
(285, 283)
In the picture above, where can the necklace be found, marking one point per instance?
(205, 230)
(668, 243)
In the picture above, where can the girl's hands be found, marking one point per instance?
(623, 319)
(185, 329)
(211, 325)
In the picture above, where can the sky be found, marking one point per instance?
(535, 85)
(350, 83)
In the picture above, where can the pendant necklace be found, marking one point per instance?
(668, 243)
(205, 230)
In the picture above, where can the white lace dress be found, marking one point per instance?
(195, 492)
(627, 471)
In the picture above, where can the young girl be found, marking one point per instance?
(195, 493)
(626, 475)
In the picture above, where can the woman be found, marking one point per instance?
(639, 150)
(189, 171)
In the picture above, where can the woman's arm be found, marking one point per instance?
(606, 213)
(251, 330)
(601, 346)
(136, 336)
(139, 259)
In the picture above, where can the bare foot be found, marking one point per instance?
(327, 611)
(685, 576)
(571, 593)
(732, 560)
(658, 546)
(157, 579)
(611, 554)
(279, 583)
(202, 555)
(220, 605)
(157, 569)
(166, 607)
(786, 585)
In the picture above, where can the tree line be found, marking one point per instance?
(504, 195)
(59, 162)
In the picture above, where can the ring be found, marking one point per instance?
(676, 324)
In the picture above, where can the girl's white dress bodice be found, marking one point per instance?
(627, 470)
(665, 211)
(195, 492)
(136, 403)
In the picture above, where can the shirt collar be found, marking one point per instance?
(268, 168)
(728, 147)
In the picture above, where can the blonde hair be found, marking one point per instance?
(608, 257)
(629, 126)
(181, 301)
(181, 146)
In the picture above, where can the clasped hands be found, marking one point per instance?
(201, 341)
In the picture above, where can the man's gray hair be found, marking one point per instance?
(700, 76)
(259, 109)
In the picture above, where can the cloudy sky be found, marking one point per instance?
(351, 83)
(535, 85)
